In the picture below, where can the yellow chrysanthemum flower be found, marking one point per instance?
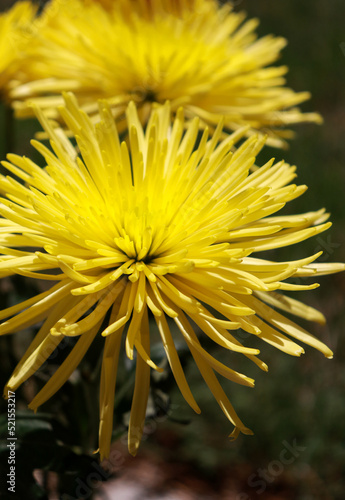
(164, 227)
(14, 34)
(192, 53)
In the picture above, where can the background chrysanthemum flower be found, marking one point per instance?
(196, 54)
(15, 27)
(163, 229)
(107, 4)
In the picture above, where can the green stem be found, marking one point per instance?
(90, 437)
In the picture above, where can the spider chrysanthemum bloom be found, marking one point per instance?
(163, 228)
(15, 27)
(192, 53)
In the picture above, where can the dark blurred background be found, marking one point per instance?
(297, 410)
